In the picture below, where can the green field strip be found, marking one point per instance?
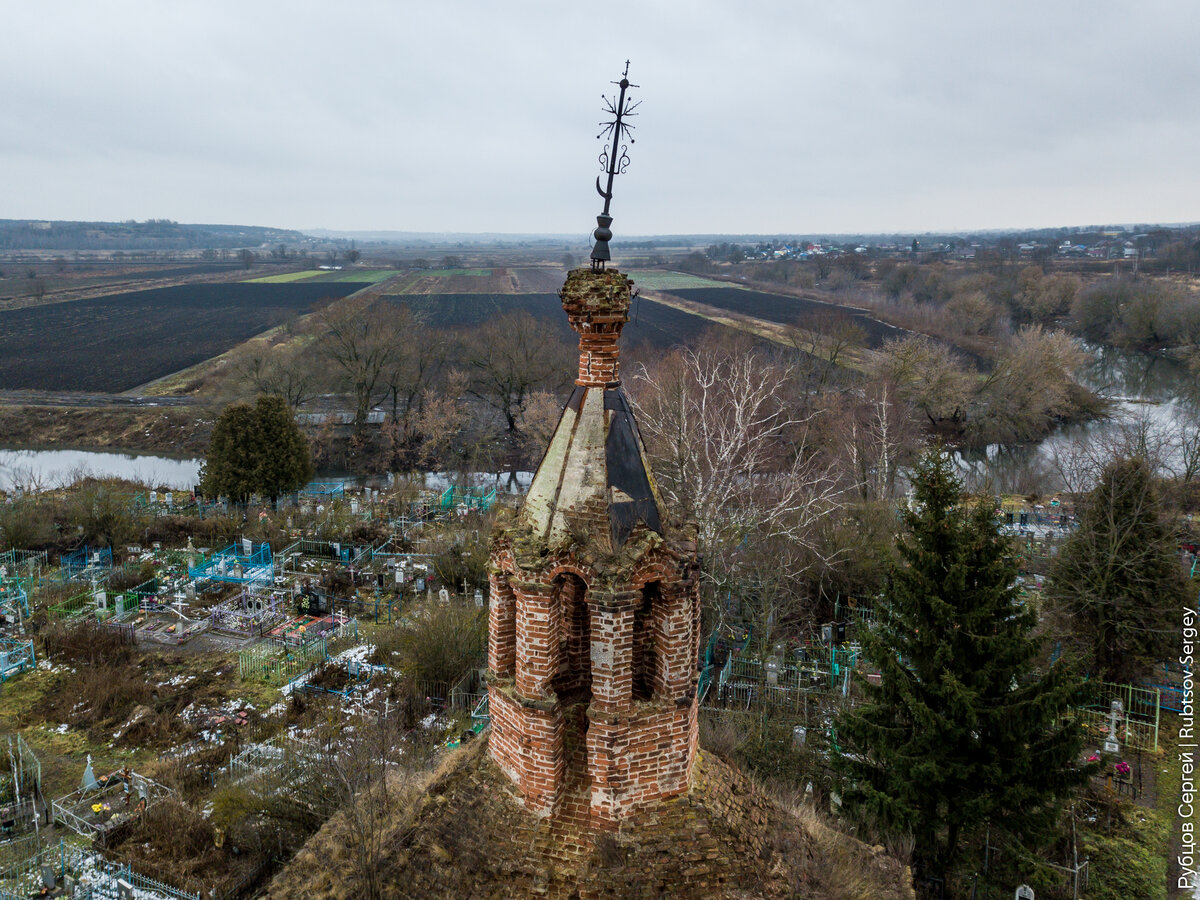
(445, 273)
(285, 277)
(656, 280)
(371, 277)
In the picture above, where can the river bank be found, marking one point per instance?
(167, 431)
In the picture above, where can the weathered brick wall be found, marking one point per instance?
(585, 620)
(502, 626)
(640, 759)
(597, 307)
(569, 633)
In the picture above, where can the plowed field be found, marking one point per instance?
(786, 310)
(117, 342)
(649, 323)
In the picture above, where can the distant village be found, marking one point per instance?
(1103, 245)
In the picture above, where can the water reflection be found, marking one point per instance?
(33, 470)
(1153, 414)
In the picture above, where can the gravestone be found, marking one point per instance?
(772, 668)
(1111, 744)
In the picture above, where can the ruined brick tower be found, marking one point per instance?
(594, 603)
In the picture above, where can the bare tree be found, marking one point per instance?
(509, 357)
(734, 448)
(362, 338)
(875, 434)
(287, 370)
(1030, 386)
(410, 374)
(443, 417)
(826, 340)
(927, 374)
(537, 422)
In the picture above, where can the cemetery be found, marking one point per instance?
(233, 630)
(101, 804)
(255, 630)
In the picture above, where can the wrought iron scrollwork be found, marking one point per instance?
(612, 162)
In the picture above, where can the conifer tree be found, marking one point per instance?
(228, 469)
(1118, 577)
(283, 462)
(962, 732)
(256, 450)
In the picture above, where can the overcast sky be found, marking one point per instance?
(774, 117)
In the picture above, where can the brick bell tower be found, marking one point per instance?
(594, 620)
(594, 617)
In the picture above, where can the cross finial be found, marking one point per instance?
(612, 162)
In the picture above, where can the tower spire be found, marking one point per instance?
(613, 161)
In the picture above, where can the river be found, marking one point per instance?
(44, 469)
(35, 470)
(1145, 390)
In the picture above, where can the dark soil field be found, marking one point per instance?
(787, 310)
(117, 342)
(467, 310)
(650, 323)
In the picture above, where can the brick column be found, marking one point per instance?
(612, 650)
(537, 638)
(502, 627)
(597, 307)
(542, 762)
(675, 641)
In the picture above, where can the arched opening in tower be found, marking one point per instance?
(573, 681)
(645, 661)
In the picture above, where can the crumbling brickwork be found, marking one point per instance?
(594, 604)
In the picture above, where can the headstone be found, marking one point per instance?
(444, 595)
(799, 738)
(479, 598)
(399, 575)
(88, 782)
(1024, 892)
(124, 890)
(49, 877)
(772, 668)
(247, 547)
(420, 585)
(167, 498)
(154, 497)
(354, 507)
(1111, 744)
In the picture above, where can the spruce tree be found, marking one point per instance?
(229, 467)
(283, 462)
(256, 450)
(1118, 578)
(962, 732)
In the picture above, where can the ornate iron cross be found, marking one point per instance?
(613, 161)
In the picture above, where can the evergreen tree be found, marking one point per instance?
(256, 450)
(229, 467)
(1118, 577)
(961, 733)
(283, 462)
